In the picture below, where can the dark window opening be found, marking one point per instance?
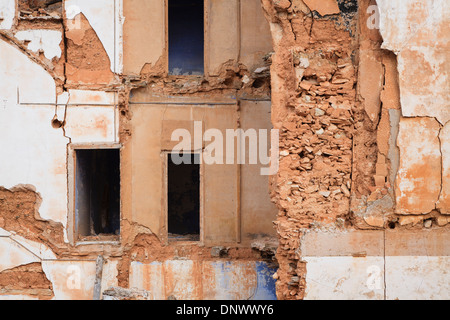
(183, 184)
(186, 37)
(97, 192)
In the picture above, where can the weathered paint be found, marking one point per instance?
(418, 32)
(222, 33)
(208, 280)
(417, 278)
(71, 280)
(18, 297)
(91, 124)
(344, 278)
(38, 249)
(391, 264)
(265, 282)
(13, 254)
(109, 274)
(30, 134)
(255, 36)
(418, 181)
(47, 41)
(400, 277)
(148, 277)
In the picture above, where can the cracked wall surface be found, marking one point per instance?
(335, 234)
(64, 61)
(359, 208)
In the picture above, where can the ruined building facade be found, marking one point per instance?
(93, 205)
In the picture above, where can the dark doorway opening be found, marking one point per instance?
(186, 37)
(183, 184)
(97, 192)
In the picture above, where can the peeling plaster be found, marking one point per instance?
(102, 16)
(30, 134)
(46, 40)
(417, 31)
(418, 181)
(91, 117)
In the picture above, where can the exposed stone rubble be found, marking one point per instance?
(359, 93)
(343, 162)
(314, 105)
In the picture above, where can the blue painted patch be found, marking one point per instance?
(266, 283)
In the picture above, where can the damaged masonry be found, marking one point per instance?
(94, 205)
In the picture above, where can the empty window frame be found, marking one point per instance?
(97, 193)
(183, 198)
(186, 37)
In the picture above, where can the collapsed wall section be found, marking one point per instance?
(314, 106)
(354, 156)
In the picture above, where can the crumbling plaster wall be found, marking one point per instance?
(66, 88)
(360, 111)
(39, 117)
(362, 158)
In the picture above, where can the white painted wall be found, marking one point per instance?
(344, 278)
(417, 278)
(7, 13)
(32, 152)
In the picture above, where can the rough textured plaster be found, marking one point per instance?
(323, 7)
(209, 280)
